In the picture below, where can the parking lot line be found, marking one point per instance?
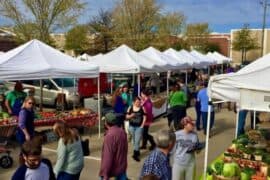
(86, 157)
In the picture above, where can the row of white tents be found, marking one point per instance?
(36, 60)
(125, 60)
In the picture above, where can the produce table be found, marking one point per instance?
(7, 127)
(248, 158)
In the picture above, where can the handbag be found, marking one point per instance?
(85, 147)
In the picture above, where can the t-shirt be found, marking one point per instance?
(13, 95)
(203, 98)
(177, 98)
(184, 146)
(41, 173)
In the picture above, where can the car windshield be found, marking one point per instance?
(67, 82)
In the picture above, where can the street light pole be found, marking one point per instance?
(264, 3)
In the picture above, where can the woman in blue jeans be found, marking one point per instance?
(137, 117)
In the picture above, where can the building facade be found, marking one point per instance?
(252, 54)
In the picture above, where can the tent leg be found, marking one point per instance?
(207, 139)
(139, 84)
(254, 119)
(74, 89)
(111, 83)
(186, 77)
(237, 123)
(99, 110)
(168, 74)
(41, 96)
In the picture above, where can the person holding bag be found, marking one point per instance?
(137, 117)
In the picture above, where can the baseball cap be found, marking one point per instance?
(187, 120)
(110, 118)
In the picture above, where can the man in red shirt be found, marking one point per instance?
(114, 150)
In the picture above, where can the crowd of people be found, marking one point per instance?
(179, 142)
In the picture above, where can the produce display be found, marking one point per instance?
(247, 159)
(78, 117)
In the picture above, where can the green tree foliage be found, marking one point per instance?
(102, 25)
(197, 35)
(171, 24)
(135, 21)
(211, 47)
(38, 18)
(77, 39)
(244, 41)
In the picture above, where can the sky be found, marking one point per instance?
(221, 15)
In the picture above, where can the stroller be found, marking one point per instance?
(6, 160)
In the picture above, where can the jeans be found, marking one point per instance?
(178, 112)
(204, 119)
(66, 176)
(198, 114)
(136, 132)
(147, 137)
(241, 122)
(122, 176)
(180, 172)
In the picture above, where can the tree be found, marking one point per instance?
(135, 21)
(244, 41)
(197, 35)
(38, 18)
(77, 39)
(102, 25)
(211, 47)
(171, 24)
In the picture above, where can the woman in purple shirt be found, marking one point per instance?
(148, 106)
(25, 130)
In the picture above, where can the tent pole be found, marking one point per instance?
(139, 84)
(168, 74)
(62, 99)
(254, 119)
(99, 110)
(186, 76)
(207, 138)
(41, 95)
(237, 122)
(111, 83)
(74, 89)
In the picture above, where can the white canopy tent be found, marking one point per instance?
(203, 58)
(198, 63)
(248, 87)
(124, 60)
(36, 60)
(157, 57)
(84, 57)
(222, 58)
(182, 60)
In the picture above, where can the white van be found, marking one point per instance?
(51, 89)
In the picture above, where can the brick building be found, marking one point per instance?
(222, 40)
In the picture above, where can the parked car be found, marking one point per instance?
(51, 90)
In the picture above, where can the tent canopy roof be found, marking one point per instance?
(36, 60)
(227, 86)
(124, 60)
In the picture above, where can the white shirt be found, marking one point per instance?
(41, 173)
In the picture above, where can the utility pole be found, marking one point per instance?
(264, 3)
